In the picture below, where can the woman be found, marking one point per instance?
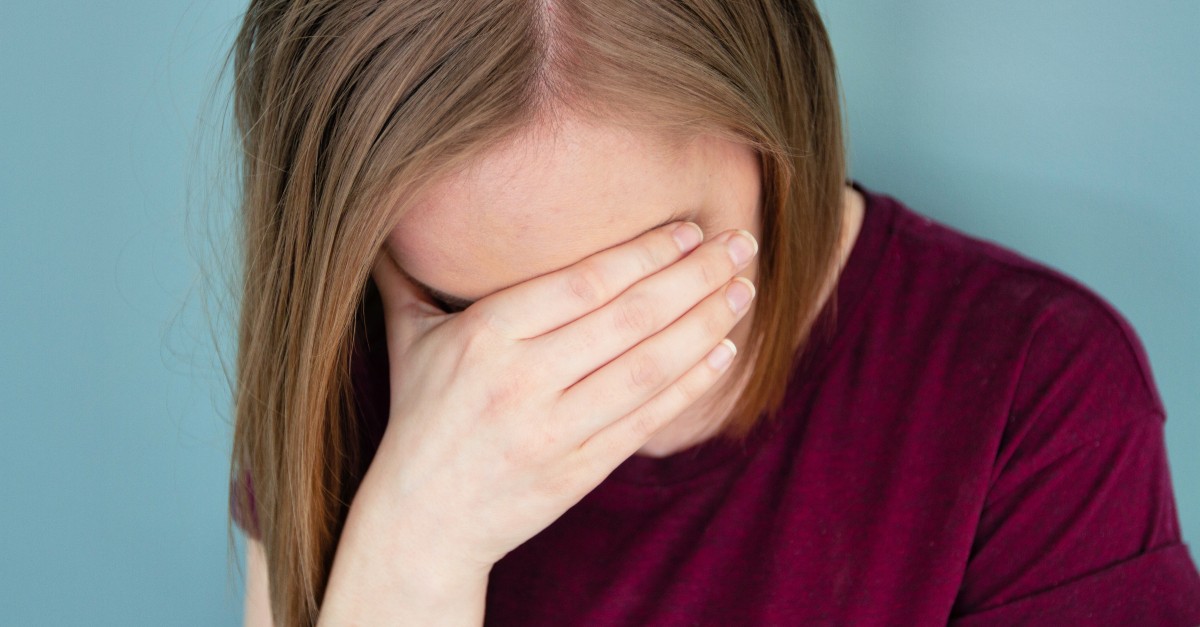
(487, 369)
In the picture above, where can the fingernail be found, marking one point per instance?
(687, 236)
(742, 247)
(719, 357)
(739, 293)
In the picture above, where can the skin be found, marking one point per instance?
(545, 202)
(501, 223)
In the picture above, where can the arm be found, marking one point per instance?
(360, 603)
(379, 579)
(1079, 525)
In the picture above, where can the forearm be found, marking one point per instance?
(451, 604)
(386, 572)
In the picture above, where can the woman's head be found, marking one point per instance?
(485, 143)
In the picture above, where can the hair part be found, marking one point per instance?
(345, 108)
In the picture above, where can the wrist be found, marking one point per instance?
(391, 573)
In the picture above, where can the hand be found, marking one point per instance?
(506, 414)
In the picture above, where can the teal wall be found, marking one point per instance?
(1065, 130)
(114, 438)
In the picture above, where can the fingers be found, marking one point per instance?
(629, 381)
(613, 444)
(406, 309)
(645, 309)
(545, 303)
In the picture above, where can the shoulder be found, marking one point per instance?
(935, 261)
(1000, 278)
(1070, 365)
(1030, 354)
(1041, 399)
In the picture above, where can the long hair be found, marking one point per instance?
(345, 108)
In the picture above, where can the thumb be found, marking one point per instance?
(407, 310)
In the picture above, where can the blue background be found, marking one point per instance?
(1065, 130)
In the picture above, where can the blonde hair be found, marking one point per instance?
(345, 108)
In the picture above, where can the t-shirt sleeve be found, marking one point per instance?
(1079, 525)
(242, 506)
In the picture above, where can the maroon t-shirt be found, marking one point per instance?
(978, 441)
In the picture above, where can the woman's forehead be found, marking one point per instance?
(542, 203)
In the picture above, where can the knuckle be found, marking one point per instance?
(715, 324)
(476, 344)
(646, 373)
(689, 390)
(634, 315)
(503, 397)
(484, 322)
(518, 454)
(650, 259)
(712, 273)
(534, 448)
(586, 284)
(529, 447)
(643, 423)
(551, 440)
(586, 338)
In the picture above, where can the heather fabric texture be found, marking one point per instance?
(971, 438)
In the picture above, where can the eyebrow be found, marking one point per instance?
(462, 303)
